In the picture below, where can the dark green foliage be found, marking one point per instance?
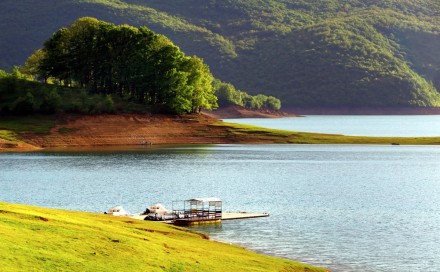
(123, 61)
(107, 105)
(308, 53)
(23, 96)
(51, 102)
(24, 104)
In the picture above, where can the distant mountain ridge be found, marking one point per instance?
(328, 53)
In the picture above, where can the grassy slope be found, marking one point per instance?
(11, 128)
(38, 239)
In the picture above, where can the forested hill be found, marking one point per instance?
(326, 53)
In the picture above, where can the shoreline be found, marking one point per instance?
(140, 130)
(92, 237)
(362, 110)
(234, 111)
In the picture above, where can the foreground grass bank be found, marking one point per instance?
(39, 239)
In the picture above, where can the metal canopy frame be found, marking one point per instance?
(197, 209)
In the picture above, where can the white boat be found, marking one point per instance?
(158, 212)
(117, 211)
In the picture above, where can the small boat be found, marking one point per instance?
(117, 211)
(158, 212)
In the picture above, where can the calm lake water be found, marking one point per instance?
(355, 125)
(347, 208)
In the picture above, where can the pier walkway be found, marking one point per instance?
(225, 216)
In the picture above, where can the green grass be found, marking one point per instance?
(40, 124)
(12, 128)
(249, 133)
(8, 135)
(39, 239)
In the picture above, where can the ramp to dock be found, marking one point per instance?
(242, 215)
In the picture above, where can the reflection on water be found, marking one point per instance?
(348, 208)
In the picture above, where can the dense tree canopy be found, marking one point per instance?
(126, 61)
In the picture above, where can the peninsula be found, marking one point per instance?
(98, 131)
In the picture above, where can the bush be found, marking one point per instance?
(107, 105)
(228, 95)
(51, 103)
(273, 103)
(24, 104)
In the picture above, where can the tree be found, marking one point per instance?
(273, 103)
(200, 82)
(126, 61)
(228, 95)
(32, 65)
(55, 61)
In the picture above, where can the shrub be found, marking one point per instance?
(24, 104)
(51, 103)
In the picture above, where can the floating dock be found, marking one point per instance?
(225, 216)
(194, 211)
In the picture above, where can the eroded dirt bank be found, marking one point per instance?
(129, 129)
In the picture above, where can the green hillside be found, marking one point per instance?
(325, 53)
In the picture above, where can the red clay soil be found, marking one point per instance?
(140, 129)
(6, 145)
(129, 129)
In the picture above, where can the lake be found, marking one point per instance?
(344, 207)
(354, 125)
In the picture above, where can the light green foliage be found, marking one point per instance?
(273, 103)
(37, 239)
(228, 95)
(199, 81)
(31, 66)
